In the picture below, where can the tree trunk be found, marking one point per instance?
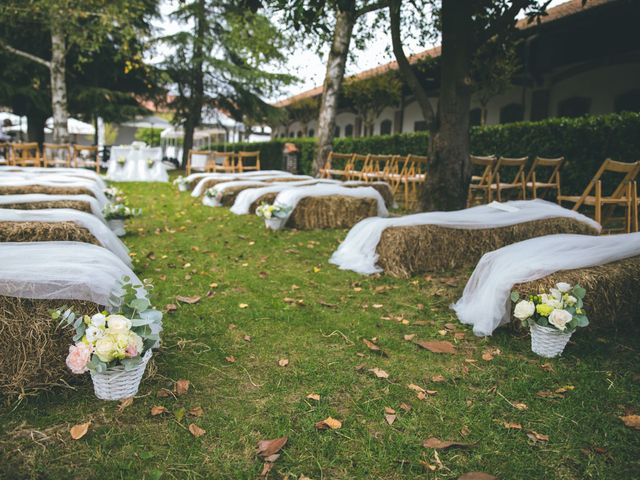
(58, 85)
(345, 21)
(448, 170)
(35, 127)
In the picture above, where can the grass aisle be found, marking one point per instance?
(487, 394)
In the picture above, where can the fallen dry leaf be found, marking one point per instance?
(436, 443)
(477, 476)
(230, 359)
(124, 403)
(266, 468)
(548, 394)
(329, 422)
(389, 410)
(247, 338)
(415, 387)
(164, 393)
(170, 307)
(632, 421)
(390, 418)
(314, 396)
(487, 357)
(196, 412)
(378, 372)
(512, 426)
(428, 466)
(409, 337)
(458, 335)
(406, 407)
(158, 410)
(182, 387)
(267, 448)
(537, 437)
(520, 406)
(377, 305)
(437, 378)
(437, 346)
(547, 367)
(80, 430)
(189, 300)
(373, 347)
(283, 362)
(243, 305)
(196, 431)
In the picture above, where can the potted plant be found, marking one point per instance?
(212, 197)
(114, 194)
(114, 347)
(150, 163)
(275, 216)
(552, 317)
(121, 161)
(116, 213)
(182, 183)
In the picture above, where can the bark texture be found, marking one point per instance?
(345, 21)
(58, 85)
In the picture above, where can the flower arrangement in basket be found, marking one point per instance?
(274, 215)
(213, 197)
(121, 161)
(150, 163)
(116, 213)
(114, 194)
(182, 183)
(552, 316)
(114, 347)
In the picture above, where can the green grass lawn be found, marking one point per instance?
(185, 248)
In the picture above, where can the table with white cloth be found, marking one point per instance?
(141, 164)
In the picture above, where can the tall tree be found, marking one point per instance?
(84, 25)
(333, 21)
(223, 58)
(465, 27)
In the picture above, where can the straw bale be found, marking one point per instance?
(45, 232)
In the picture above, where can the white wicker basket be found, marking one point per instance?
(275, 223)
(183, 187)
(116, 383)
(548, 342)
(211, 202)
(117, 226)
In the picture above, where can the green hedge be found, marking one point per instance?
(584, 141)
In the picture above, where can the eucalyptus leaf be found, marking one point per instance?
(515, 296)
(579, 292)
(140, 304)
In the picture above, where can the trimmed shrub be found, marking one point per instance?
(586, 142)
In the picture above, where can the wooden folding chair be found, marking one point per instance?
(86, 156)
(359, 167)
(513, 169)
(25, 154)
(5, 153)
(330, 169)
(603, 204)
(413, 175)
(246, 161)
(221, 162)
(533, 179)
(198, 160)
(481, 183)
(377, 167)
(56, 155)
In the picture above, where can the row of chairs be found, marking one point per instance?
(497, 177)
(400, 172)
(227, 162)
(52, 155)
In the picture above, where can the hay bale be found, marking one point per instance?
(284, 179)
(382, 188)
(407, 251)
(231, 193)
(336, 211)
(611, 290)
(50, 190)
(266, 198)
(211, 182)
(45, 232)
(32, 346)
(75, 204)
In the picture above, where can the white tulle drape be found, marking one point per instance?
(97, 228)
(358, 251)
(57, 181)
(135, 168)
(202, 187)
(246, 197)
(62, 172)
(199, 176)
(486, 302)
(60, 270)
(222, 187)
(43, 197)
(291, 197)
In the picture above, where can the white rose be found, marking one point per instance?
(94, 333)
(523, 310)
(98, 320)
(563, 287)
(555, 293)
(560, 318)
(105, 349)
(571, 300)
(118, 324)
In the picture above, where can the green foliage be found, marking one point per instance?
(149, 135)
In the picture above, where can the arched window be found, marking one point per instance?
(299, 133)
(385, 127)
(311, 132)
(291, 135)
(348, 131)
(514, 112)
(420, 126)
(475, 117)
(336, 132)
(628, 102)
(574, 107)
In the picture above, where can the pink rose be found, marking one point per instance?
(78, 358)
(131, 351)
